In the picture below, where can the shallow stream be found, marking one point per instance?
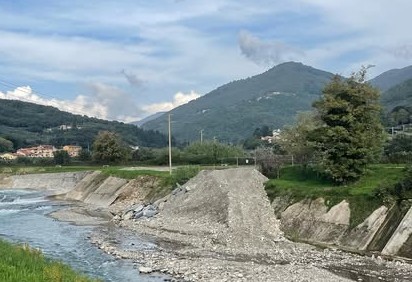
(23, 219)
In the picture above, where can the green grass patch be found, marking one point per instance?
(45, 169)
(299, 183)
(121, 172)
(22, 263)
(179, 174)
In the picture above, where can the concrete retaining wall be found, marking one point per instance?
(311, 221)
(97, 189)
(401, 236)
(54, 183)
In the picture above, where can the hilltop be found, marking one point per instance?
(231, 112)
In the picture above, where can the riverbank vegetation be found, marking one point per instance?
(22, 263)
(382, 184)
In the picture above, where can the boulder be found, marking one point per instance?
(145, 270)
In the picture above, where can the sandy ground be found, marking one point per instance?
(82, 215)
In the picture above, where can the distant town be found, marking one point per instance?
(41, 151)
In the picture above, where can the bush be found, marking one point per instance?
(397, 192)
(61, 157)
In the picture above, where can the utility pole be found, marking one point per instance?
(170, 148)
(201, 136)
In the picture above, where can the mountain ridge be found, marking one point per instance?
(233, 110)
(391, 78)
(229, 113)
(398, 95)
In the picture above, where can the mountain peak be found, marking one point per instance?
(232, 111)
(289, 65)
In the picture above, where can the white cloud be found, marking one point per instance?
(80, 105)
(179, 99)
(355, 32)
(102, 101)
(189, 45)
(267, 53)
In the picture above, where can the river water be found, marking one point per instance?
(23, 219)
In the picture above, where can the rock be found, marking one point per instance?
(150, 207)
(128, 215)
(149, 213)
(135, 208)
(138, 215)
(138, 208)
(145, 270)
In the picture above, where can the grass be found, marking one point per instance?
(180, 174)
(132, 174)
(298, 183)
(45, 169)
(22, 263)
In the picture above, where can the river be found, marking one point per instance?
(23, 219)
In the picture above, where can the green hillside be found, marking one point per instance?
(232, 112)
(391, 78)
(399, 95)
(29, 124)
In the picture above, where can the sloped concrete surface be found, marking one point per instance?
(106, 193)
(54, 183)
(401, 235)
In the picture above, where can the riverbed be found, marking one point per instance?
(24, 219)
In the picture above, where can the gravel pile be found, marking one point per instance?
(227, 207)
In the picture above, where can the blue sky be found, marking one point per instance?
(124, 60)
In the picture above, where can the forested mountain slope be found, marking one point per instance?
(30, 124)
(232, 112)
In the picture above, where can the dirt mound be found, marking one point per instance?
(228, 207)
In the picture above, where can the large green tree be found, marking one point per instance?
(108, 148)
(295, 139)
(352, 134)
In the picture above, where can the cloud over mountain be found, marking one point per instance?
(179, 99)
(101, 101)
(266, 53)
